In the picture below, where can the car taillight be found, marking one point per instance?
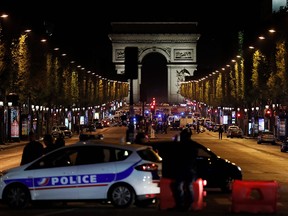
(147, 167)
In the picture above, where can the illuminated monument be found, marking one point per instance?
(175, 41)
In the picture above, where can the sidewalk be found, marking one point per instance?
(9, 145)
(12, 145)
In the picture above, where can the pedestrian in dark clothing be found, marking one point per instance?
(141, 138)
(186, 134)
(130, 134)
(60, 141)
(185, 175)
(32, 150)
(220, 131)
(198, 127)
(49, 143)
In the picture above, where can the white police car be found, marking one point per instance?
(120, 173)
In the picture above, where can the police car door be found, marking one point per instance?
(54, 176)
(96, 172)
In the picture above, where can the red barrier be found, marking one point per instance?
(199, 194)
(254, 196)
(166, 199)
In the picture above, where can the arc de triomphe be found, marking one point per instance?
(176, 41)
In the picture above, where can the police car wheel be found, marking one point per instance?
(122, 196)
(17, 197)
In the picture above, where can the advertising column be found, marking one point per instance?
(15, 120)
(13, 117)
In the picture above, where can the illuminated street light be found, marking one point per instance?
(272, 30)
(37, 121)
(2, 122)
(261, 37)
(4, 16)
(9, 120)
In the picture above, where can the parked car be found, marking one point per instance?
(89, 128)
(210, 126)
(99, 125)
(234, 131)
(216, 127)
(90, 136)
(284, 146)
(266, 137)
(106, 123)
(218, 172)
(121, 174)
(61, 130)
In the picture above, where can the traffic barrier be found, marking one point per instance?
(199, 194)
(254, 196)
(166, 198)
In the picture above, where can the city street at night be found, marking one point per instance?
(262, 162)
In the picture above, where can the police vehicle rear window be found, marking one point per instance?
(149, 155)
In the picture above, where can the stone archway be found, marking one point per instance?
(154, 79)
(176, 42)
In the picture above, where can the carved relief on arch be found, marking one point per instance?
(165, 51)
(180, 75)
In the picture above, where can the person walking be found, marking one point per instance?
(198, 127)
(185, 175)
(220, 130)
(32, 150)
(186, 133)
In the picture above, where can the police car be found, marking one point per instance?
(119, 173)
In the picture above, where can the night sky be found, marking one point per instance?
(81, 28)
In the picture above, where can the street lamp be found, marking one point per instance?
(9, 120)
(47, 119)
(245, 119)
(2, 122)
(37, 121)
(253, 116)
(257, 120)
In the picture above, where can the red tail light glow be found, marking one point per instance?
(147, 167)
